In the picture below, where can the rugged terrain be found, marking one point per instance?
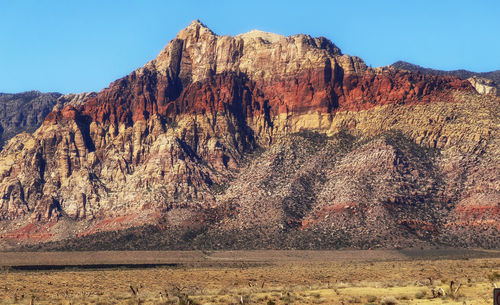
(23, 112)
(259, 141)
(485, 82)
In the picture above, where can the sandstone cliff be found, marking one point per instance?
(259, 140)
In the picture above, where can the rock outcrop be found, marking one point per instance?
(483, 85)
(72, 99)
(259, 140)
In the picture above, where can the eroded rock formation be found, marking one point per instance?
(260, 140)
(483, 85)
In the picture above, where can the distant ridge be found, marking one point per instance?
(23, 112)
(461, 73)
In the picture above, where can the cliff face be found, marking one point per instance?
(259, 140)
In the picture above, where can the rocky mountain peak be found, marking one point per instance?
(197, 52)
(195, 31)
(260, 140)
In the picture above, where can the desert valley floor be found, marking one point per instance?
(250, 277)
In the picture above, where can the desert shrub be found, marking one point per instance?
(494, 276)
(313, 136)
(389, 301)
(185, 300)
(244, 299)
(420, 294)
(354, 300)
(316, 295)
(371, 299)
(288, 298)
(219, 188)
(172, 124)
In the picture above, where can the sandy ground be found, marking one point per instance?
(254, 277)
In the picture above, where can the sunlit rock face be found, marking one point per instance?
(259, 140)
(483, 85)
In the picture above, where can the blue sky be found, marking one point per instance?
(76, 46)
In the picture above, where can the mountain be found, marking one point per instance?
(23, 112)
(258, 141)
(484, 82)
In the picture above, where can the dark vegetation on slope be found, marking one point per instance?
(394, 226)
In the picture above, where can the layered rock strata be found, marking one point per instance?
(260, 140)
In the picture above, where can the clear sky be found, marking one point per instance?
(83, 45)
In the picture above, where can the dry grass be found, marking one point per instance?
(290, 282)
